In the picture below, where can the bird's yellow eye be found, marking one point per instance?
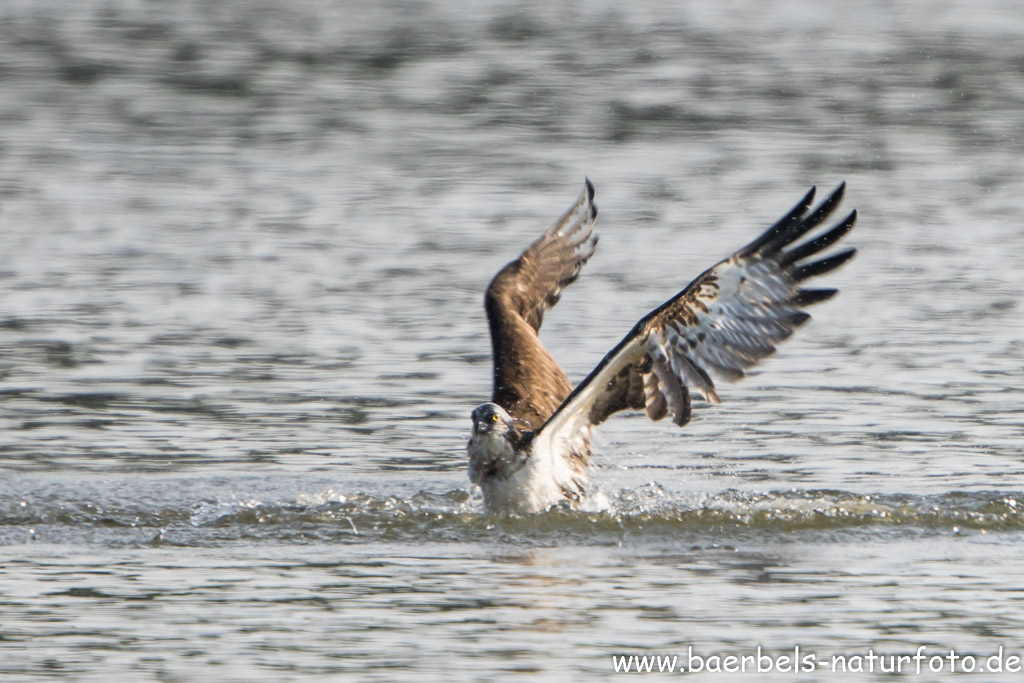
(494, 418)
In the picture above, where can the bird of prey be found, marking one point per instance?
(530, 447)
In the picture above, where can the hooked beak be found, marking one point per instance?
(481, 426)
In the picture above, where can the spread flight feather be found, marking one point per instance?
(528, 383)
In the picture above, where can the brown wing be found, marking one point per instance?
(527, 381)
(723, 322)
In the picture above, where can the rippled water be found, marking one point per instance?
(244, 247)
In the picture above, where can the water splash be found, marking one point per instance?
(456, 515)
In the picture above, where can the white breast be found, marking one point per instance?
(538, 479)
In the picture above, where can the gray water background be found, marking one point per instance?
(244, 246)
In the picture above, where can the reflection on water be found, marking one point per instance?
(244, 250)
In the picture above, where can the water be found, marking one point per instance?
(244, 250)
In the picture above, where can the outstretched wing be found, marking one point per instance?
(527, 381)
(722, 323)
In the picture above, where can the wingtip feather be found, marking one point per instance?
(820, 242)
(824, 265)
(808, 198)
(782, 231)
(807, 297)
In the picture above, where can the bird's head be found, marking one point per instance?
(493, 452)
(491, 419)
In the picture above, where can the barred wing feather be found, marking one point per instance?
(721, 324)
(528, 383)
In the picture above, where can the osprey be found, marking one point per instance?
(530, 446)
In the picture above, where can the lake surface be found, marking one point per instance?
(244, 247)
